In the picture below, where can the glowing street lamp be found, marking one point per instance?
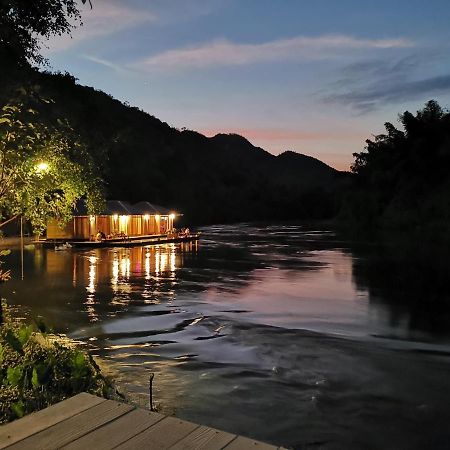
(42, 167)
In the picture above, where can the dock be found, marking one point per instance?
(86, 422)
(133, 241)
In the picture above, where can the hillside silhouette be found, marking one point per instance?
(219, 179)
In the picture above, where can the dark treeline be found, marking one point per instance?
(402, 179)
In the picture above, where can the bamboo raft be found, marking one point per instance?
(88, 422)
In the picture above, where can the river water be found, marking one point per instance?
(285, 333)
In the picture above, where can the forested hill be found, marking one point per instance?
(220, 179)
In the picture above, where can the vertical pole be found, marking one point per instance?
(21, 243)
(150, 388)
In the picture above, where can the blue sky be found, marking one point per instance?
(314, 77)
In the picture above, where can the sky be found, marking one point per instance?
(316, 77)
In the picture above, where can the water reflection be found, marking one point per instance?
(407, 284)
(153, 270)
(247, 325)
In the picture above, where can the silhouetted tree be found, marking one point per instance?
(402, 177)
(24, 23)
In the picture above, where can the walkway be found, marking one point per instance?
(88, 422)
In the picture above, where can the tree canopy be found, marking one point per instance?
(44, 168)
(24, 23)
(402, 176)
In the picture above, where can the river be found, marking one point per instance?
(286, 333)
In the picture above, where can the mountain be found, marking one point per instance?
(219, 179)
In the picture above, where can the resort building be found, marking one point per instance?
(119, 219)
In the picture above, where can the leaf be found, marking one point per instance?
(24, 334)
(5, 120)
(2, 350)
(14, 375)
(13, 342)
(18, 408)
(35, 379)
(79, 362)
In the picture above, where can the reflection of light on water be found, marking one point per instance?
(163, 264)
(115, 277)
(115, 270)
(92, 270)
(90, 300)
(157, 259)
(172, 259)
(147, 266)
(125, 265)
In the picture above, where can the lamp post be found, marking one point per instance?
(21, 244)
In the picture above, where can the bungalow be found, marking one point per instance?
(119, 218)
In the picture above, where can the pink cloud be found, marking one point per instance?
(223, 52)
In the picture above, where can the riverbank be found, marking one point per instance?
(39, 369)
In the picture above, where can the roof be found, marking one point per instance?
(123, 208)
(148, 208)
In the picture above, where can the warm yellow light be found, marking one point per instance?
(157, 217)
(172, 216)
(92, 218)
(41, 167)
(146, 216)
(115, 217)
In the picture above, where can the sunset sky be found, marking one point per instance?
(314, 77)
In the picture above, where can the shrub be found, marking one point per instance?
(38, 369)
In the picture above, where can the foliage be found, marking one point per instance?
(23, 23)
(45, 168)
(37, 370)
(402, 178)
(5, 275)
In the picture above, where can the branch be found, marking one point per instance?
(9, 220)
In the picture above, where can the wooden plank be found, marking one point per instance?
(70, 429)
(204, 438)
(160, 436)
(33, 423)
(116, 432)
(243, 443)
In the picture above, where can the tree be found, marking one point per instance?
(24, 23)
(44, 169)
(402, 178)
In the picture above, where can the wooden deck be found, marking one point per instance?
(87, 422)
(133, 241)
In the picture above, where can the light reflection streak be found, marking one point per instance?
(127, 275)
(157, 261)
(147, 266)
(92, 273)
